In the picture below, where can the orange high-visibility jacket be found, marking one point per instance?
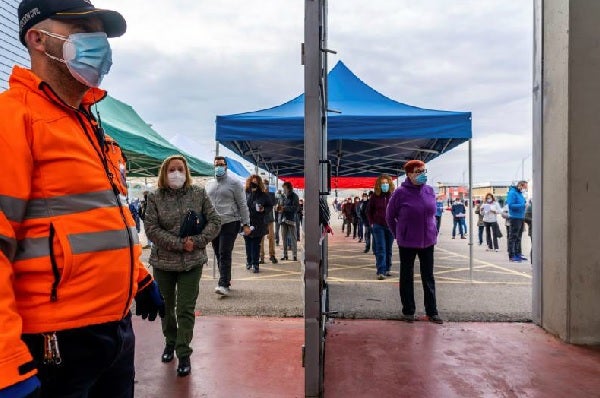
(69, 251)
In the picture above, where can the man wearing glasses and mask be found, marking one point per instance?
(69, 251)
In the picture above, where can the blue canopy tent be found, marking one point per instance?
(237, 168)
(367, 132)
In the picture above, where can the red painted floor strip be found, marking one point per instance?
(369, 358)
(233, 357)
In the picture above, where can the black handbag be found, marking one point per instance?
(192, 224)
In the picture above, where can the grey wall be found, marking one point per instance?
(571, 180)
(11, 50)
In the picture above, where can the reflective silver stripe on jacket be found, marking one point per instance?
(13, 208)
(88, 242)
(8, 246)
(69, 204)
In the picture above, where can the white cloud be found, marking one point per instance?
(183, 62)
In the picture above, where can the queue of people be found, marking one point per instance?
(68, 329)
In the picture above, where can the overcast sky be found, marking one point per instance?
(183, 62)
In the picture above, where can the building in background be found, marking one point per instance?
(452, 191)
(498, 189)
(12, 52)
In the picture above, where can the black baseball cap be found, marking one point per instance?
(33, 11)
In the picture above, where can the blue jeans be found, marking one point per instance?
(514, 237)
(360, 229)
(457, 223)
(462, 226)
(383, 241)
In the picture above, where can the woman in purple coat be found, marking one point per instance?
(410, 216)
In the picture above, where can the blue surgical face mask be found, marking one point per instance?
(220, 171)
(385, 187)
(87, 55)
(421, 179)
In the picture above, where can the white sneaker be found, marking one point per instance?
(222, 290)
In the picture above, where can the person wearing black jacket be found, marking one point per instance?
(299, 218)
(365, 222)
(258, 202)
(270, 220)
(290, 205)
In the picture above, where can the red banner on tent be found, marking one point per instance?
(338, 182)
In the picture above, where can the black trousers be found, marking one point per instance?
(97, 361)
(407, 274)
(223, 246)
(491, 234)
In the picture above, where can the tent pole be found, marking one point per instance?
(217, 149)
(471, 211)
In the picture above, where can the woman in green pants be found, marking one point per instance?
(177, 261)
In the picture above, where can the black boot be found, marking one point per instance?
(167, 355)
(184, 368)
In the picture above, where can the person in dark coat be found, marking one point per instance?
(410, 216)
(289, 209)
(258, 202)
(270, 220)
(383, 238)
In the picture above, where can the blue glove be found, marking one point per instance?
(149, 302)
(28, 388)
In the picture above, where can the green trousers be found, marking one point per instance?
(180, 291)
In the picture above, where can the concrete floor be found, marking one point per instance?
(260, 357)
(242, 355)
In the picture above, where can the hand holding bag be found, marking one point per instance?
(192, 224)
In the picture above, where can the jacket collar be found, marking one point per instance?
(26, 78)
(407, 183)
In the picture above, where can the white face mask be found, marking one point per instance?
(176, 179)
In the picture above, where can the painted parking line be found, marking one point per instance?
(506, 270)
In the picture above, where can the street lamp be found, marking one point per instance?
(523, 167)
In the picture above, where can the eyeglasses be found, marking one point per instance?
(420, 171)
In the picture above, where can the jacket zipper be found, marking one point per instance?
(57, 277)
(57, 100)
(116, 192)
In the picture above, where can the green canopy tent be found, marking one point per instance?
(144, 148)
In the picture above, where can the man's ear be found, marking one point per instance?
(34, 40)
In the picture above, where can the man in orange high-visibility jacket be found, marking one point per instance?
(69, 251)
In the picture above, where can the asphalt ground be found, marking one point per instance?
(494, 289)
